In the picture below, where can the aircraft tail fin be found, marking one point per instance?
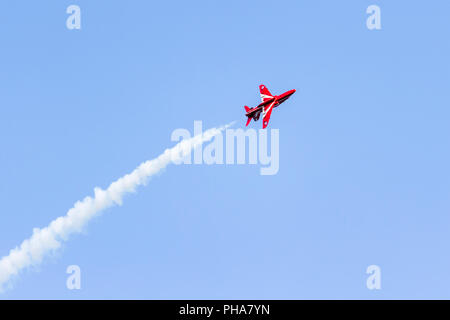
(247, 109)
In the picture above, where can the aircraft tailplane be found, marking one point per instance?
(249, 118)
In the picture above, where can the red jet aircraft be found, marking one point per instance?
(266, 106)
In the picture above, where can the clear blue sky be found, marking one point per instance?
(364, 147)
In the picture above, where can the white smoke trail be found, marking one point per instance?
(48, 239)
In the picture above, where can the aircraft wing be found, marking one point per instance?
(265, 93)
(267, 111)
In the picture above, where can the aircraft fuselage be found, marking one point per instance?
(278, 100)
